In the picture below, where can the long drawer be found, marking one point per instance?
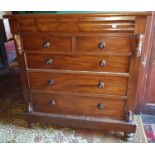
(78, 83)
(66, 104)
(107, 63)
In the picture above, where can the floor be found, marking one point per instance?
(10, 85)
(149, 126)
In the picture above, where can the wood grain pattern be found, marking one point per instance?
(103, 124)
(142, 89)
(33, 42)
(69, 24)
(151, 87)
(132, 104)
(66, 104)
(79, 62)
(23, 75)
(65, 23)
(106, 26)
(112, 44)
(78, 83)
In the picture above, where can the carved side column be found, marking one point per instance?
(139, 38)
(23, 72)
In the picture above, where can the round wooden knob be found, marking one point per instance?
(100, 106)
(49, 61)
(52, 103)
(101, 45)
(50, 82)
(46, 44)
(103, 63)
(100, 85)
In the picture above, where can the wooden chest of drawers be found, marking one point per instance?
(80, 70)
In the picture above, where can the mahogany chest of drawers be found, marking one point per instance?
(80, 70)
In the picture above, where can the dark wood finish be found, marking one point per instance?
(32, 42)
(23, 73)
(150, 94)
(66, 104)
(98, 123)
(151, 88)
(146, 96)
(66, 23)
(77, 62)
(102, 63)
(132, 104)
(66, 82)
(112, 44)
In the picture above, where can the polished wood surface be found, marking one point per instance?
(78, 83)
(66, 22)
(85, 65)
(102, 63)
(87, 106)
(132, 104)
(151, 88)
(112, 44)
(23, 73)
(150, 98)
(38, 41)
(103, 124)
(146, 89)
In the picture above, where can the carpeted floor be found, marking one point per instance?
(13, 129)
(150, 132)
(149, 126)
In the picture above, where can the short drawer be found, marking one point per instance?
(43, 42)
(78, 83)
(107, 63)
(78, 105)
(104, 43)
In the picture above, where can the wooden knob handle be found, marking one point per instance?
(103, 63)
(46, 44)
(100, 106)
(101, 85)
(101, 45)
(49, 61)
(52, 103)
(50, 82)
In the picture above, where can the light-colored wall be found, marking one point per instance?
(4, 13)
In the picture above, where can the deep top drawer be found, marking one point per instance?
(74, 23)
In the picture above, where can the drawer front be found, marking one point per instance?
(79, 62)
(35, 42)
(104, 44)
(78, 83)
(83, 105)
(82, 23)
